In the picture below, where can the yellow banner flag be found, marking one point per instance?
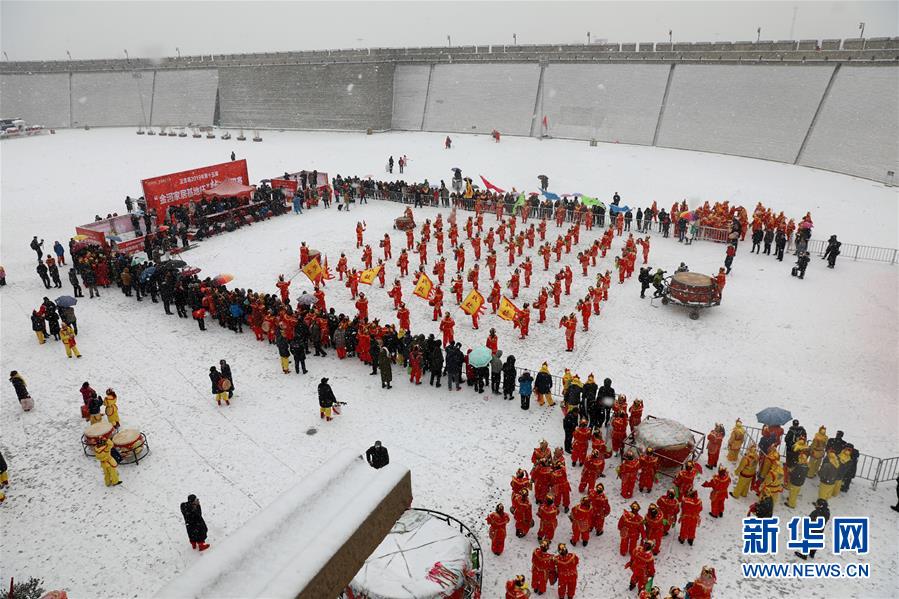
(507, 310)
(473, 302)
(367, 276)
(423, 287)
(313, 270)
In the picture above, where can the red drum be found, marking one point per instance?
(693, 288)
(404, 223)
(670, 440)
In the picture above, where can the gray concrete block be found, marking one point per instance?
(41, 98)
(858, 128)
(762, 111)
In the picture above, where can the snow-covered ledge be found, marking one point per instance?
(310, 542)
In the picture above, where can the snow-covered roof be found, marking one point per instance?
(281, 550)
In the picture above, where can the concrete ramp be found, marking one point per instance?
(310, 542)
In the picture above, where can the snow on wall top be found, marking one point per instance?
(278, 552)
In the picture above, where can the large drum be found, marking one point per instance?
(404, 223)
(95, 434)
(670, 440)
(131, 443)
(693, 288)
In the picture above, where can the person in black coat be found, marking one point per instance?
(76, 286)
(283, 352)
(757, 237)
(18, 384)
(836, 443)
(832, 251)
(194, 523)
(645, 279)
(849, 468)
(590, 400)
(569, 423)
(435, 362)
(377, 456)
(780, 244)
(42, 273)
(821, 511)
(510, 377)
(39, 326)
(326, 399)
(794, 433)
(225, 369)
(454, 363)
(606, 396)
(768, 239)
(299, 354)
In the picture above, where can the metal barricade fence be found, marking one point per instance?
(868, 467)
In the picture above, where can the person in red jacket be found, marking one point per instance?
(654, 521)
(446, 327)
(642, 565)
(437, 302)
(541, 452)
(457, 286)
(415, 365)
(568, 275)
(440, 270)
(715, 438)
(541, 476)
(690, 509)
(593, 468)
(520, 482)
(495, 296)
(360, 228)
(402, 316)
(523, 321)
(586, 311)
(396, 293)
(422, 254)
(579, 443)
(569, 323)
(636, 414)
(719, 484)
(403, 263)
(670, 507)
(527, 269)
(685, 477)
(630, 527)
(543, 567)
(601, 509)
(619, 432)
(514, 283)
(524, 515)
(649, 465)
(492, 341)
(362, 307)
(410, 239)
(560, 485)
(386, 245)
(497, 522)
(627, 472)
(459, 253)
(566, 567)
(581, 521)
(549, 515)
(701, 588)
(284, 288)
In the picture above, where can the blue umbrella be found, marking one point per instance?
(613, 208)
(66, 301)
(148, 272)
(774, 416)
(550, 195)
(480, 357)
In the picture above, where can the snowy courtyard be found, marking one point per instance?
(824, 347)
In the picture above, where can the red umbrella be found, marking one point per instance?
(222, 279)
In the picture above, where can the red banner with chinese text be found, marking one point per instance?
(179, 188)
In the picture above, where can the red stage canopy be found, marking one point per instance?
(229, 189)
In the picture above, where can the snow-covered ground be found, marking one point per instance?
(825, 347)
